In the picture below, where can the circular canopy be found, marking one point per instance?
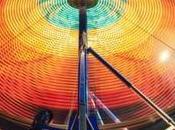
(39, 56)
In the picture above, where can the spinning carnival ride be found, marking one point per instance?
(41, 64)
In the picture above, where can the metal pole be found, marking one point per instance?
(106, 110)
(99, 119)
(83, 74)
(159, 111)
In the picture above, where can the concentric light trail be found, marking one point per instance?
(39, 56)
(61, 14)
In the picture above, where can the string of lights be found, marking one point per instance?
(39, 56)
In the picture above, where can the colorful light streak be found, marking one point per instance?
(59, 13)
(39, 55)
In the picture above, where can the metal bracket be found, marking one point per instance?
(152, 105)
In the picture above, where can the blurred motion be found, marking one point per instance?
(39, 60)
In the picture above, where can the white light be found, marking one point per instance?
(164, 56)
(170, 128)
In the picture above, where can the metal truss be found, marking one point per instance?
(83, 119)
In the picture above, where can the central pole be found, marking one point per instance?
(83, 74)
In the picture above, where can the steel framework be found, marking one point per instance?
(83, 120)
